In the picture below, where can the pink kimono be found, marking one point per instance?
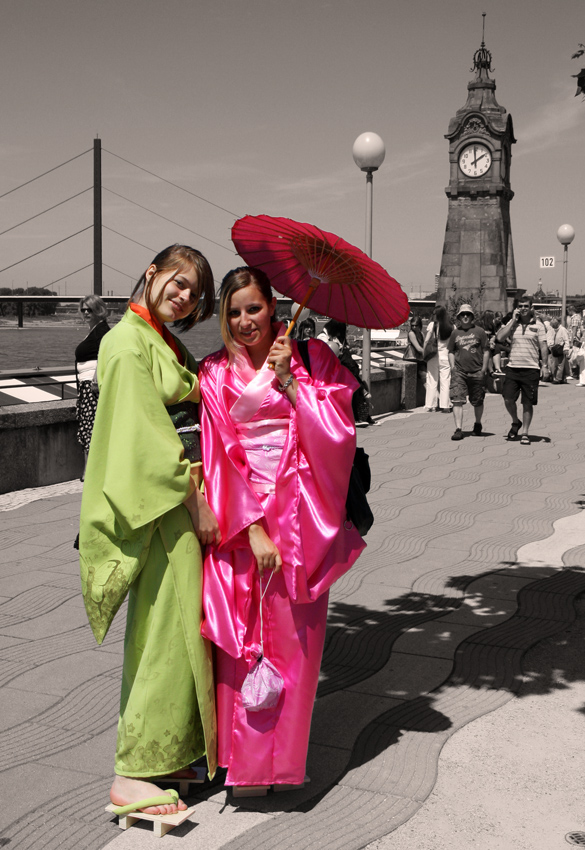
(287, 467)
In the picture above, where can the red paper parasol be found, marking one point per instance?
(309, 264)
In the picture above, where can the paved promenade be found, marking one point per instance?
(451, 708)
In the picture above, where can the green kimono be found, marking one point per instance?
(137, 537)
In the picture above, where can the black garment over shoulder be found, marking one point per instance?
(88, 348)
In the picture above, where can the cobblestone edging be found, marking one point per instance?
(18, 498)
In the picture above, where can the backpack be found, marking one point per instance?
(356, 503)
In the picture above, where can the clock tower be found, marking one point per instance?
(477, 265)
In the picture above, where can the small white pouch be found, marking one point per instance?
(263, 685)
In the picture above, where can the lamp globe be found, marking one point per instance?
(369, 151)
(565, 234)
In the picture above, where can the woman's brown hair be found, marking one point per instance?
(179, 258)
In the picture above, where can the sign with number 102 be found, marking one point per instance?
(547, 262)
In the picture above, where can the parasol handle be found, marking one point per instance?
(309, 294)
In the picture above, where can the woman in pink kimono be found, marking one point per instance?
(278, 446)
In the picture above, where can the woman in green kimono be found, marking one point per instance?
(143, 518)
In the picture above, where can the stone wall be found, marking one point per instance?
(477, 252)
(395, 387)
(38, 445)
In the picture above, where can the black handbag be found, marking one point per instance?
(557, 348)
(431, 346)
(356, 504)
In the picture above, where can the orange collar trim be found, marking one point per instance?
(154, 323)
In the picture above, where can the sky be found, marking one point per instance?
(254, 106)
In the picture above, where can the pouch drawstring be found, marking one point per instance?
(262, 595)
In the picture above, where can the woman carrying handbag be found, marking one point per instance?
(438, 379)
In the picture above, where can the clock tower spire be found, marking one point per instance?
(477, 265)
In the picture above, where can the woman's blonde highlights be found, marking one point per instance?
(235, 280)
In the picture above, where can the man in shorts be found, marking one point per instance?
(469, 353)
(527, 336)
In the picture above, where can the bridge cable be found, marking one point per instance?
(46, 211)
(176, 185)
(119, 272)
(111, 229)
(59, 279)
(45, 173)
(188, 229)
(89, 227)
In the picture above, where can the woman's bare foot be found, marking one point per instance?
(126, 790)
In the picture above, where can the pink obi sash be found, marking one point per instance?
(263, 441)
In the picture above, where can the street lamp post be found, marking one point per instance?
(368, 155)
(565, 235)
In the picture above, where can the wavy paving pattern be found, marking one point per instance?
(393, 763)
(40, 575)
(65, 824)
(16, 660)
(33, 603)
(81, 715)
(426, 633)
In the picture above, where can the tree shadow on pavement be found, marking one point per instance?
(360, 640)
(489, 659)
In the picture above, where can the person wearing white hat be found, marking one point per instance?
(469, 356)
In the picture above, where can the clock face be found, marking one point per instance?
(475, 160)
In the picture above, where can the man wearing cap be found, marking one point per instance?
(528, 338)
(469, 353)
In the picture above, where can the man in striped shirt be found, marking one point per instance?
(528, 338)
(573, 324)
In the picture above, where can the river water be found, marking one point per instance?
(51, 344)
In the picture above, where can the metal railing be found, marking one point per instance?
(39, 385)
(21, 300)
(23, 379)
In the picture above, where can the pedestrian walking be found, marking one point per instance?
(468, 355)
(559, 349)
(414, 353)
(528, 351)
(438, 380)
